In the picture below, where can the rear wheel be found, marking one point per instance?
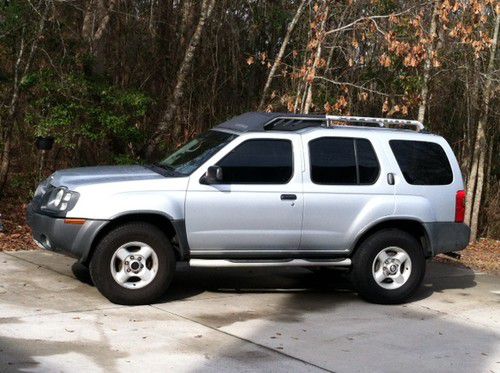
(133, 264)
(388, 267)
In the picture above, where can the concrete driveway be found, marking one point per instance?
(288, 320)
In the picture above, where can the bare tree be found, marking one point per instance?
(480, 148)
(185, 67)
(320, 37)
(95, 24)
(20, 74)
(424, 93)
(279, 57)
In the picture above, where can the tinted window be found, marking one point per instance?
(337, 160)
(367, 162)
(422, 163)
(258, 162)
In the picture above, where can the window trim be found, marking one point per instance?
(355, 148)
(428, 142)
(261, 139)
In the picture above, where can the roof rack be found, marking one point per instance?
(380, 122)
(294, 123)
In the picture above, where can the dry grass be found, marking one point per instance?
(16, 234)
(484, 255)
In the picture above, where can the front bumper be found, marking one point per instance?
(53, 234)
(445, 237)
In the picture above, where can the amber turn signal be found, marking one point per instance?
(74, 221)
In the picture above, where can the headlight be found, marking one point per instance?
(58, 198)
(41, 189)
(61, 200)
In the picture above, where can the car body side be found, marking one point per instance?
(334, 219)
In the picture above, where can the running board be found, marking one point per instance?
(211, 263)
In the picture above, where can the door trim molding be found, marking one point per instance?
(268, 254)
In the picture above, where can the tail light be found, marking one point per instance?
(460, 206)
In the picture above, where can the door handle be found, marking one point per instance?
(288, 197)
(390, 178)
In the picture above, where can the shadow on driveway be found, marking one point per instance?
(294, 313)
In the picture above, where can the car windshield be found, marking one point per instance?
(189, 157)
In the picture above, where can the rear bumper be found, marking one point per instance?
(53, 234)
(446, 236)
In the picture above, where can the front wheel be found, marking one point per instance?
(133, 264)
(388, 267)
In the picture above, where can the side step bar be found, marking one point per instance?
(211, 263)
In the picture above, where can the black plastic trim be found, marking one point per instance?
(447, 236)
(180, 230)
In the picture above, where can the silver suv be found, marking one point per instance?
(264, 189)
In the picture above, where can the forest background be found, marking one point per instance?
(127, 81)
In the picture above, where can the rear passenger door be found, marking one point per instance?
(345, 190)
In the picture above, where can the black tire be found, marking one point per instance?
(101, 260)
(363, 279)
(82, 273)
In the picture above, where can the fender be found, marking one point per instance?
(410, 224)
(175, 230)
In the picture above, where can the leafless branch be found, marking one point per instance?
(368, 18)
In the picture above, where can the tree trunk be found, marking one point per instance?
(491, 149)
(151, 24)
(477, 200)
(12, 108)
(5, 162)
(473, 156)
(178, 92)
(320, 36)
(471, 184)
(424, 93)
(95, 23)
(481, 136)
(279, 57)
(185, 21)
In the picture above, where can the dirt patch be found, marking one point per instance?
(484, 255)
(15, 235)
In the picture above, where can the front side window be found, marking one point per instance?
(189, 157)
(259, 161)
(422, 162)
(343, 161)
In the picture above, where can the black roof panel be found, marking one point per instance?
(255, 121)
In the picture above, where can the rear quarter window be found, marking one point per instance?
(422, 162)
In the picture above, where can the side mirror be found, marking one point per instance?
(212, 176)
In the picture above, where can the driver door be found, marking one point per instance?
(256, 207)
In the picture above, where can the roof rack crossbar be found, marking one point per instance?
(381, 122)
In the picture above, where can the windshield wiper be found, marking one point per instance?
(164, 169)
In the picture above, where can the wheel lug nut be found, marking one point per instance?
(128, 269)
(131, 257)
(139, 258)
(126, 262)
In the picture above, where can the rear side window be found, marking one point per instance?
(343, 161)
(258, 162)
(367, 162)
(422, 163)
